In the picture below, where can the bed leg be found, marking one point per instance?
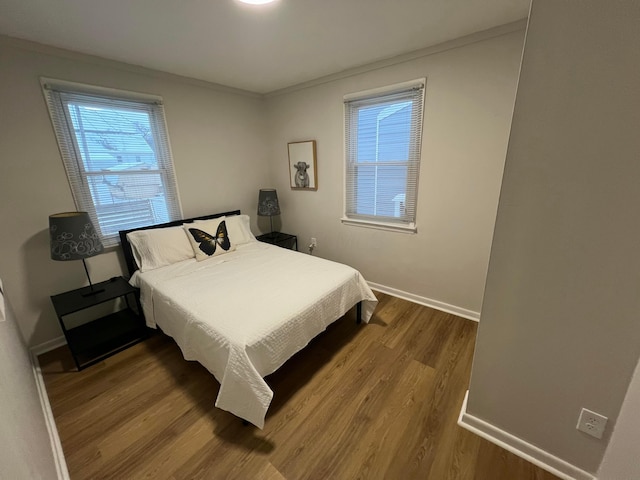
(359, 312)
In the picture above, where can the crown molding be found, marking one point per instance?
(519, 25)
(507, 28)
(41, 48)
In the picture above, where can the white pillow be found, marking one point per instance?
(158, 247)
(209, 238)
(243, 222)
(238, 229)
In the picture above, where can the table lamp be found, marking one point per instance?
(268, 204)
(73, 237)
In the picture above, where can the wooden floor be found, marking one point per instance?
(376, 401)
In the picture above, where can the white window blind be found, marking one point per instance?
(115, 150)
(383, 133)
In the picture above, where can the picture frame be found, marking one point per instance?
(303, 168)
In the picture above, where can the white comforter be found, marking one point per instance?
(244, 313)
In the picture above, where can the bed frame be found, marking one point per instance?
(132, 268)
(128, 252)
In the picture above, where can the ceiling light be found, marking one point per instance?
(257, 2)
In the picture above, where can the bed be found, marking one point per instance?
(245, 308)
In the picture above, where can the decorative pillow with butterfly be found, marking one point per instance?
(209, 238)
(237, 228)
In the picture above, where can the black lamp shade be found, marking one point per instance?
(73, 236)
(268, 202)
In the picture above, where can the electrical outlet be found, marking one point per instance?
(591, 423)
(314, 242)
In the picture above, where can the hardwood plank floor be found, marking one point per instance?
(376, 401)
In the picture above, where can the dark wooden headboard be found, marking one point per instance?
(126, 246)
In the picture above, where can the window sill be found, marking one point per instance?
(389, 227)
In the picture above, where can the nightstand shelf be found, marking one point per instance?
(105, 336)
(102, 337)
(284, 240)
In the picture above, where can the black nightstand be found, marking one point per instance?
(280, 239)
(100, 338)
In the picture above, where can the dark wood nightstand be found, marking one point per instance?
(280, 239)
(102, 337)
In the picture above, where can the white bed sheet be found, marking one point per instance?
(243, 314)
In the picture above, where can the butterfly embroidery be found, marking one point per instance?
(208, 243)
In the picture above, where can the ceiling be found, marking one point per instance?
(259, 48)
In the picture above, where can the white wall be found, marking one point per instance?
(468, 105)
(218, 143)
(560, 325)
(26, 450)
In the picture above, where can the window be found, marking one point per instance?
(383, 134)
(115, 149)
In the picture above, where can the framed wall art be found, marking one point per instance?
(303, 168)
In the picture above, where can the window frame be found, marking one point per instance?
(415, 147)
(72, 159)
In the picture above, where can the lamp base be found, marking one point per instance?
(92, 291)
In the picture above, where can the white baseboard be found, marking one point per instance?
(54, 439)
(48, 346)
(519, 447)
(427, 302)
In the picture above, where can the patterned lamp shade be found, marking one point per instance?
(73, 236)
(268, 202)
